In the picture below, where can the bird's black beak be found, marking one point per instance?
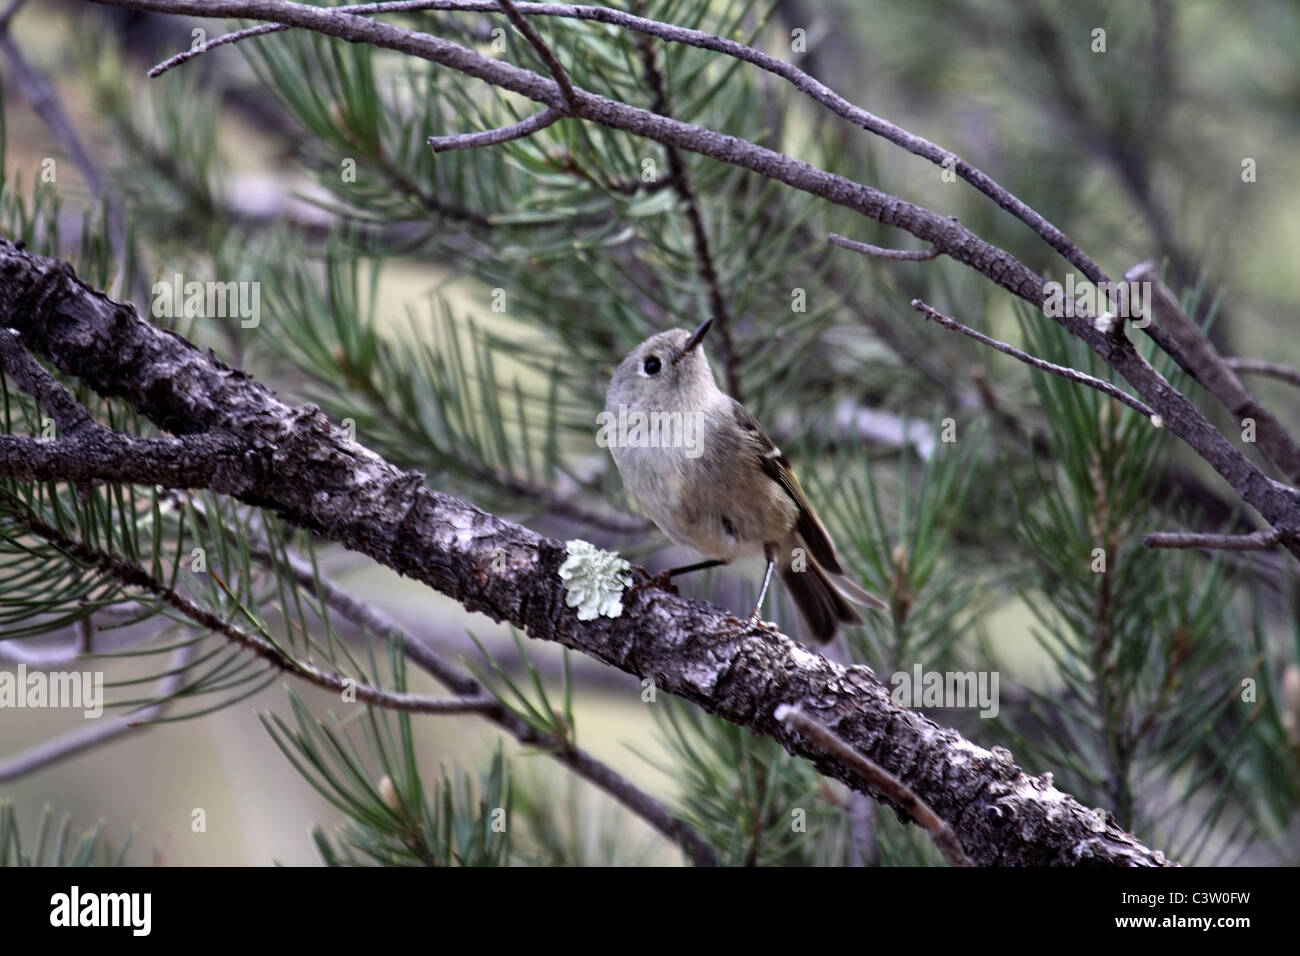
(696, 337)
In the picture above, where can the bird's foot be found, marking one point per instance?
(662, 581)
(739, 628)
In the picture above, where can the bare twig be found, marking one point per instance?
(1258, 367)
(1072, 374)
(880, 252)
(394, 6)
(261, 29)
(491, 137)
(89, 738)
(877, 778)
(521, 24)
(1256, 541)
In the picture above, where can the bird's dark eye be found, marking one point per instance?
(652, 365)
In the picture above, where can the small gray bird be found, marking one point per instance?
(706, 473)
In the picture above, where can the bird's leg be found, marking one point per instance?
(675, 572)
(663, 580)
(755, 619)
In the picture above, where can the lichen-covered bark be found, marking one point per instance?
(293, 461)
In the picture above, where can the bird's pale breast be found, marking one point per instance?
(718, 502)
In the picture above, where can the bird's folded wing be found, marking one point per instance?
(776, 467)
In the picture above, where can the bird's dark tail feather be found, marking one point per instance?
(822, 609)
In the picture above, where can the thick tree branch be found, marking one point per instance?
(102, 455)
(68, 414)
(306, 470)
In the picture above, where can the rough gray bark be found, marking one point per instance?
(293, 461)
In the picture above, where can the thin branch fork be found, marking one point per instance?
(521, 24)
(1068, 373)
(1217, 375)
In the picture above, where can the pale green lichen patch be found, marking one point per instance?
(594, 580)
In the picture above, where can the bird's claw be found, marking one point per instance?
(748, 626)
(662, 581)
